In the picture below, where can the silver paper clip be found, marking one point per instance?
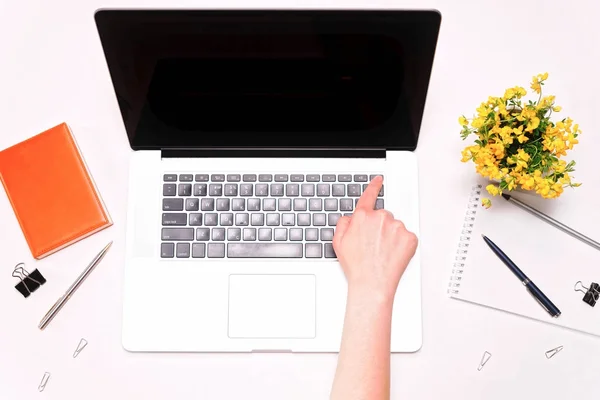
(552, 353)
(44, 381)
(484, 360)
(80, 346)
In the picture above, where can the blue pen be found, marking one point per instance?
(530, 286)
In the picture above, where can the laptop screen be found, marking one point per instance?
(270, 79)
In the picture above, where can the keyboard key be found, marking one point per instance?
(217, 178)
(292, 189)
(207, 205)
(380, 191)
(234, 234)
(264, 250)
(172, 204)
(177, 233)
(272, 219)
(184, 189)
(304, 219)
(253, 204)
(288, 219)
(231, 189)
(226, 219)
(329, 252)
(354, 190)
(257, 219)
(215, 189)
(169, 189)
(174, 219)
(315, 204)
(328, 178)
(186, 178)
(246, 189)
(201, 178)
(344, 178)
(192, 204)
(323, 190)
(338, 190)
(281, 234)
(242, 219)
(238, 204)
(284, 204)
(183, 249)
(319, 219)
(249, 178)
(327, 234)
(233, 177)
(249, 234)
(223, 204)
(170, 177)
(198, 250)
(314, 250)
(332, 219)
(202, 234)
(265, 234)
(210, 219)
(195, 219)
(379, 204)
(313, 178)
(361, 178)
(276, 189)
(200, 189)
(364, 186)
(331, 204)
(296, 234)
(281, 178)
(265, 178)
(300, 204)
(297, 178)
(346, 205)
(262, 189)
(216, 250)
(311, 234)
(218, 234)
(347, 214)
(371, 177)
(269, 205)
(167, 250)
(308, 189)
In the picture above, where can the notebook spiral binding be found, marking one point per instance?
(464, 241)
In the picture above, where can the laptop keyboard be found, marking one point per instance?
(256, 215)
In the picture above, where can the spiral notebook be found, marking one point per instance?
(541, 251)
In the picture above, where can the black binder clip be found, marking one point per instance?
(30, 282)
(591, 294)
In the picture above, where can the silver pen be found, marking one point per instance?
(553, 222)
(63, 300)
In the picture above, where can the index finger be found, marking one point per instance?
(369, 196)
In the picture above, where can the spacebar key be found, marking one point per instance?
(264, 250)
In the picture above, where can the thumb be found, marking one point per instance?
(340, 230)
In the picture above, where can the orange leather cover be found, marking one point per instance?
(51, 191)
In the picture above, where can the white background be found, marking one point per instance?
(52, 69)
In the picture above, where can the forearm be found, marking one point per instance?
(364, 361)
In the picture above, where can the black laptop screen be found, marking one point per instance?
(275, 79)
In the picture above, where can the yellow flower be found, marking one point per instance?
(486, 203)
(477, 123)
(532, 124)
(509, 94)
(493, 190)
(556, 108)
(536, 82)
(497, 149)
(462, 120)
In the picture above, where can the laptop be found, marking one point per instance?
(253, 132)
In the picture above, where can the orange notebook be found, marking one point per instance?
(51, 191)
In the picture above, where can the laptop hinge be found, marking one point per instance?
(272, 153)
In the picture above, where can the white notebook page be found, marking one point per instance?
(543, 252)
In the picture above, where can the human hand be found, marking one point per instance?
(372, 247)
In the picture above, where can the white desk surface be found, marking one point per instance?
(52, 69)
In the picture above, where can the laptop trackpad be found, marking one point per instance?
(272, 306)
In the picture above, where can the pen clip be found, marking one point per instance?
(538, 300)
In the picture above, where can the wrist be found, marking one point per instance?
(369, 297)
